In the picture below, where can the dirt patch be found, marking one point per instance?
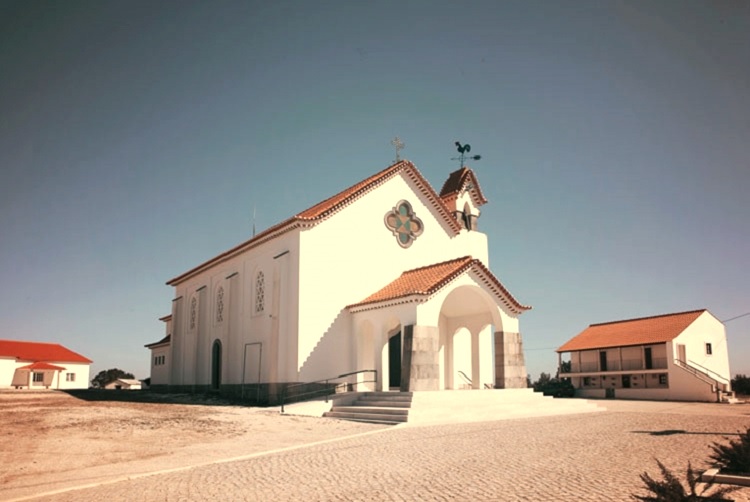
(52, 439)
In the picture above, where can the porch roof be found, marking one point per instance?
(39, 366)
(641, 331)
(419, 283)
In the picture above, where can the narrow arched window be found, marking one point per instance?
(220, 304)
(260, 293)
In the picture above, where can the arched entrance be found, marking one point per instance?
(394, 361)
(467, 319)
(216, 365)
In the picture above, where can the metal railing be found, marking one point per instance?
(614, 365)
(323, 388)
(466, 378)
(717, 377)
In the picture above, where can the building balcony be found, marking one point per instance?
(626, 365)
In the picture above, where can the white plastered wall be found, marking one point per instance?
(353, 254)
(257, 346)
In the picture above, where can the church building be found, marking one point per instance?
(387, 275)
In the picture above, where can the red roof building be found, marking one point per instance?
(680, 356)
(41, 365)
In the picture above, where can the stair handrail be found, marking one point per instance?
(466, 377)
(327, 386)
(696, 372)
(710, 372)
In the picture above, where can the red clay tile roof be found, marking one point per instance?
(41, 366)
(458, 181)
(323, 210)
(167, 339)
(426, 281)
(641, 331)
(36, 351)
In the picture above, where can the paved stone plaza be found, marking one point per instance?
(594, 456)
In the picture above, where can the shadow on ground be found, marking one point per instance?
(671, 432)
(147, 396)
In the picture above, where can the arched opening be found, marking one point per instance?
(467, 319)
(462, 368)
(394, 361)
(216, 365)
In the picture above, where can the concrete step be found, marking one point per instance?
(390, 396)
(364, 416)
(398, 396)
(368, 421)
(384, 404)
(371, 410)
(388, 393)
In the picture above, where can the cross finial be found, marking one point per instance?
(399, 145)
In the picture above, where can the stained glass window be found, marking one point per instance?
(260, 293)
(220, 304)
(404, 224)
(193, 312)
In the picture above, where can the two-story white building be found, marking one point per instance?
(36, 365)
(681, 356)
(386, 275)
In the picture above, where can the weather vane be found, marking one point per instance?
(399, 145)
(464, 150)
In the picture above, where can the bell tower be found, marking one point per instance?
(462, 195)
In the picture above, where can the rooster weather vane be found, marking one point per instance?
(464, 150)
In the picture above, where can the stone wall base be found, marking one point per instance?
(510, 365)
(264, 394)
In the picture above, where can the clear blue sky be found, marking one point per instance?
(136, 138)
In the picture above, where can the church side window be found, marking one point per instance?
(260, 293)
(193, 312)
(220, 304)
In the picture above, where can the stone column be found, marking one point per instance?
(510, 366)
(420, 363)
(475, 373)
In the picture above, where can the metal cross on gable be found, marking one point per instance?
(399, 145)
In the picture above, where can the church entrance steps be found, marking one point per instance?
(375, 407)
(385, 399)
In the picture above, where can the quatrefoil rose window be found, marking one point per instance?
(404, 224)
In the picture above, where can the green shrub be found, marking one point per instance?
(741, 384)
(733, 457)
(670, 488)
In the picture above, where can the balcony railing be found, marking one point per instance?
(657, 363)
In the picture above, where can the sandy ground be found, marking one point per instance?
(50, 440)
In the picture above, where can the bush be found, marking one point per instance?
(670, 488)
(741, 384)
(556, 388)
(733, 457)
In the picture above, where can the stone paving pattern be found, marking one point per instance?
(588, 457)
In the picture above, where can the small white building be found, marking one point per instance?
(124, 384)
(160, 356)
(35, 365)
(386, 275)
(681, 357)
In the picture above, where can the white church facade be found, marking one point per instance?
(387, 275)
